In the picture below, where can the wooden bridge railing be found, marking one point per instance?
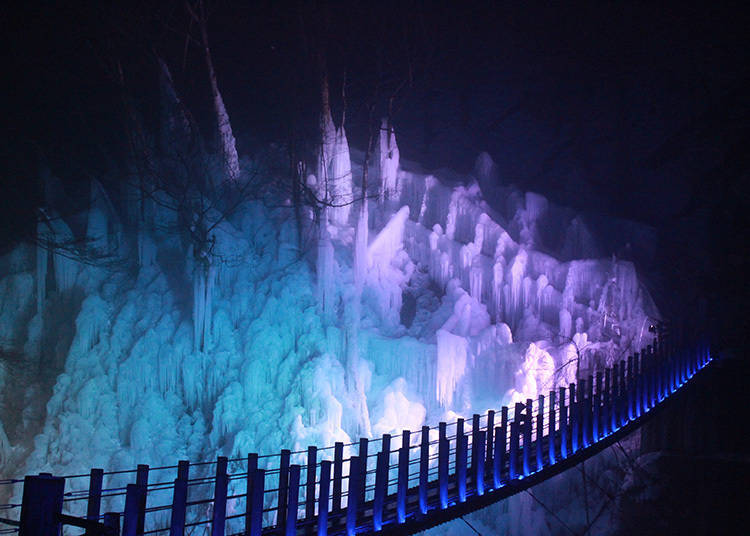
(387, 484)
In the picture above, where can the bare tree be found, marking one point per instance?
(227, 143)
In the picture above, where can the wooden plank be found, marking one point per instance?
(403, 477)
(283, 493)
(424, 467)
(526, 431)
(134, 510)
(221, 484)
(93, 506)
(490, 437)
(479, 469)
(573, 411)
(362, 453)
(498, 457)
(292, 502)
(460, 460)
(381, 488)
(179, 499)
(256, 503)
(475, 427)
(443, 450)
(325, 483)
(312, 463)
(551, 455)
(462, 440)
(540, 434)
(252, 468)
(141, 479)
(513, 454)
(41, 502)
(563, 425)
(338, 474)
(352, 502)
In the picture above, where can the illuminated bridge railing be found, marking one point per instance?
(395, 485)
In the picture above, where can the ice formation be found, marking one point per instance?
(432, 302)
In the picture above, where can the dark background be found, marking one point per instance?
(619, 110)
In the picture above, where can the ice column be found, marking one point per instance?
(389, 160)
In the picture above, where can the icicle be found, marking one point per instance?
(325, 268)
(360, 246)
(389, 161)
(565, 323)
(340, 179)
(498, 271)
(476, 279)
(451, 365)
(485, 171)
(517, 271)
(390, 240)
(42, 254)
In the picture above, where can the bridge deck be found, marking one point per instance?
(432, 481)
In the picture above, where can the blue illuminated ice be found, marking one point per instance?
(432, 302)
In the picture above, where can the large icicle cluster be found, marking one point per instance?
(444, 296)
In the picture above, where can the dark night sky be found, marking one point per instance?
(619, 109)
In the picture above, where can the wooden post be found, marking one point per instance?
(292, 502)
(385, 446)
(462, 441)
(381, 488)
(563, 425)
(141, 479)
(42, 501)
(403, 476)
(312, 464)
(111, 520)
(515, 433)
(596, 429)
(255, 508)
(95, 496)
(325, 483)
(475, 427)
(460, 468)
(135, 499)
(623, 400)
(362, 453)
(252, 468)
(221, 484)
(606, 402)
(527, 430)
(552, 435)
(490, 437)
(443, 449)
(657, 359)
(179, 499)
(338, 474)
(540, 434)
(513, 454)
(498, 458)
(424, 467)
(651, 377)
(574, 405)
(585, 411)
(479, 468)
(352, 498)
(583, 419)
(614, 407)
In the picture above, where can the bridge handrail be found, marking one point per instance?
(449, 468)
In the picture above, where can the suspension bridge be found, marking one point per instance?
(399, 484)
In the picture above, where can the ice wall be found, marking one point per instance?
(436, 303)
